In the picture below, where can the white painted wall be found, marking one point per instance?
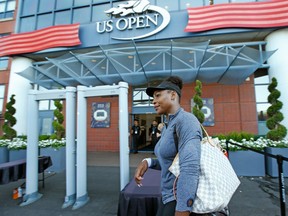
(19, 86)
(278, 62)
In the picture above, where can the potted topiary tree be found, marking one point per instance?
(277, 131)
(16, 145)
(198, 103)
(10, 120)
(54, 146)
(59, 130)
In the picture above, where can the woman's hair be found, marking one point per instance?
(175, 80)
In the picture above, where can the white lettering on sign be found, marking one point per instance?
(139, 20)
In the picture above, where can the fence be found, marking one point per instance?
(280, 160)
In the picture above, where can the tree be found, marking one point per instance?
(10, 120)
(198, 103)
(277, 131)
(59, 130)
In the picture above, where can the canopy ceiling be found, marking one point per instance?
(139, 64)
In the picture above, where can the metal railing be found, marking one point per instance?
(280, 159)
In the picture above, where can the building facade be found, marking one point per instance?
(7, 24)
(92, 43)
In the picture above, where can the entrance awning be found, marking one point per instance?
(139, 64)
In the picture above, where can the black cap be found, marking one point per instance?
(165, 85)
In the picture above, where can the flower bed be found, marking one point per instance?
(259, 144)
(249, 163)
(53, 143)
(16, 148)
(4, 153)
(57, 151)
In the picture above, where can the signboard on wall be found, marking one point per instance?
(100, 115)
(134, 15)
(208, 110)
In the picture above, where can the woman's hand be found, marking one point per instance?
(140, 171)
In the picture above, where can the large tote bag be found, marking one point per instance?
(217, 181)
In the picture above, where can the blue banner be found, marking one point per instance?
(100, 115)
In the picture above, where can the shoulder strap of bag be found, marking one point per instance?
(206, 133)
(175, 138)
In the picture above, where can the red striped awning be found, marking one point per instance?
(266, 14)
(54, 36)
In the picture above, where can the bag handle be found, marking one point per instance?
(206, 133)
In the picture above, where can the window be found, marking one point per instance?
(98, 12)
(63, 17)
(261, 93)
(45, 20)
(3, 63)
(64, 4)
(3, 60)
(170, 5)
(78, 15)
(221, 1)
(46, 6)
(46, 105)
(184, 4)
(140, 98)
(82, 2)
(7, 8)
(29, 7)
(27, 24)
(2, 91)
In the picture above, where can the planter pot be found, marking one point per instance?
(58, 157)
(247, 163)
(271, 164)
(4, 155)
(17, 154)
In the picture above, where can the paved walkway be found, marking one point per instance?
(255, 197)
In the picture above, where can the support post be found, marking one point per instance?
(281, 184)
(70, 197)
(32, 194)
(81, 157)
(123, 131)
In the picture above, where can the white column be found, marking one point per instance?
(19, 86)
(32, 194)
(81, 156)
(70, 147)
(124, 132)
(278, 62)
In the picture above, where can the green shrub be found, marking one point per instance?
(44, 137)
(277, 130)
(59, 130)
(198, 103)
(10, 120)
